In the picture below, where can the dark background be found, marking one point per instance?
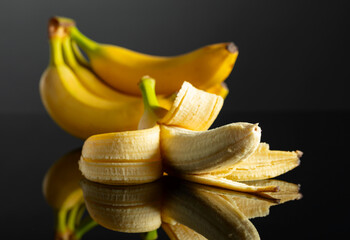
(293, 54)
(291, 76)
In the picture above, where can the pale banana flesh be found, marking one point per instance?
(198, 152)
(122, 158)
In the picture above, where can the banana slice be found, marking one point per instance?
(197, 152)
(193, 109)
(131, 209)
(131, 157)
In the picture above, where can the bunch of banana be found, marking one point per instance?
(83, 105)
(177, 140)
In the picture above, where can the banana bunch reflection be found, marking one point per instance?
(62, 191)
(184, 210)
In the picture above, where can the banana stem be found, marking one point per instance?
(84, 42)
(68, 52)
(56, 57)
(147, 87)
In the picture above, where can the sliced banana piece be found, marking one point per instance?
(122, 158)
(124, 208)
(193, 109)
(197, 152)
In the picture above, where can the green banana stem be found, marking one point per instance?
(56, 57)
(79, 55)
(84, 42)
(147, 86)
(152, 235)
(68, 52)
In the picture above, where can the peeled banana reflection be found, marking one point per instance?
(184, 210)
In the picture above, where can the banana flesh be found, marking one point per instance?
(120, 158)
(197, 152)
(193, 109)
(131, 209)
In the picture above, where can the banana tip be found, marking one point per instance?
(231, 47)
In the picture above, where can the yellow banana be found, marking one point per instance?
(78, 102)
(124, 208)
(122, 68)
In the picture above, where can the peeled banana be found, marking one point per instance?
(209, 157)
(121, 68)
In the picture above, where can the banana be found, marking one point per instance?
(121, 68)
(214, 149)
(124, 208)
(120, 158)
(73, 106)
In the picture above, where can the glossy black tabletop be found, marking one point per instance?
(31, 144)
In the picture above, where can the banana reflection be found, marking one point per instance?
(131, 209)
(185, 210)
(62, 191)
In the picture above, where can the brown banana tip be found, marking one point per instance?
(231, 47)
(299, 153)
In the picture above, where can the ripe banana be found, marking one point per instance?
(84, 106)
(124, 208)
(122, 68)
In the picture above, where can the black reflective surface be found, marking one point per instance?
(32, 143)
